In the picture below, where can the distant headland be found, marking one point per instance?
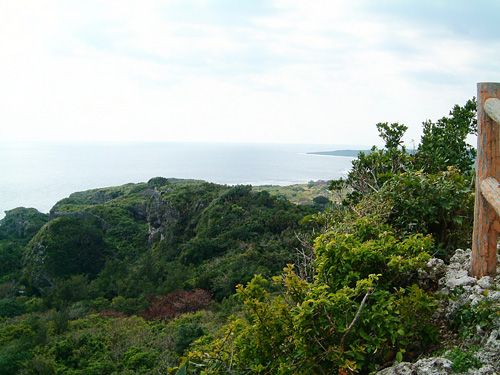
(348, 153)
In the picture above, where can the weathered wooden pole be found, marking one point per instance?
(486, 219)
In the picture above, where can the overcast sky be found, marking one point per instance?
(295, 71)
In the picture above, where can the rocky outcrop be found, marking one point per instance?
(161, 217)
(453, 280)
(434, 271)
(23, 222)
(471, 290)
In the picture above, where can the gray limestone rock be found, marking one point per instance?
(433, 366)
(485, 282)
(457, 273)
(161, 217)
(403, 368)
(429, 276)
(427, 366)
(490, 352)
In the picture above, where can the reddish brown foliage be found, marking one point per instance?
(176, 303)
(112, 314)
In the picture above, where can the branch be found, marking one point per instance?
(355, 318)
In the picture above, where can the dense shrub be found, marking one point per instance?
(371, 248)
(361, 311)
(362, 308)
(439, 204)
(311, 329)
(64, 247)
(11, 307)
(428, 190)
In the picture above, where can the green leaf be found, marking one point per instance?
(399, 357)
(183, 368)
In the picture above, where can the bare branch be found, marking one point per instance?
(356, 317)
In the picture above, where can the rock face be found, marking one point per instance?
(453, 278)
(161, 217)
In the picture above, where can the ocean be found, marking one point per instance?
(40, 174)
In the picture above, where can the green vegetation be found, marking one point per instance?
(361, 311)
(16, 229)
(463, 360)
(188, 277)
(469, 318)
(111, 280)
(444, 143)
(428, 191)
(363, 307)
(94, 344)
(313, 193)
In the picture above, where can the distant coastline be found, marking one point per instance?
(39, 174)
(345, 153)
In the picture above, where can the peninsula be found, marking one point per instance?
(346, 153)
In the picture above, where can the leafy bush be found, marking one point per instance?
(361, 311)
(372, 248)
(65, 292)
(39, 365)
(158, 182)
(186, 335)
(321, 200)
(438, 204)
(429, 190)
(92, 345)
(463, 360)
(12, 358)
(137, 358)
(371, 171)
(468, 318)
(11, 307)
(310, 328)
(65, 246)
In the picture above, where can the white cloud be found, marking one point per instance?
(317, 71)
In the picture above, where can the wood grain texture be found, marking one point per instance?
(486, 219)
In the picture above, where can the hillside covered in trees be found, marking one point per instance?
(189, 277)
(153, 250)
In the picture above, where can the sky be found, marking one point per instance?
(287, 71)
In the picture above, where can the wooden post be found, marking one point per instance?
(486, 220)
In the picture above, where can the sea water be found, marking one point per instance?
(40, 174)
